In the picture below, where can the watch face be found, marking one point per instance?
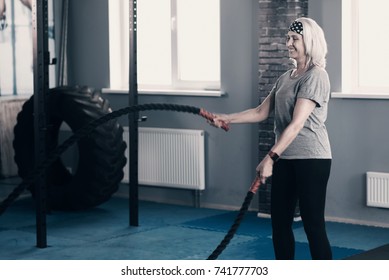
(273, 156)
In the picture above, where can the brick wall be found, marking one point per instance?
(274, 17)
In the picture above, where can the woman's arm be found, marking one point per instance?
(302, 110)
(258, 114)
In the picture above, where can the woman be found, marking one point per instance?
(300, 160)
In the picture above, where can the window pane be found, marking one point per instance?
(23, 50)
(154, 42)
(6, 66)
(198, 40)
(6, 55)
(23, 57)
(119, 43)
(16, 50)
(373, 37)
(159, 59)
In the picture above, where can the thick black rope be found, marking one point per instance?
(227, 238)
(242, 211)
(86, 130)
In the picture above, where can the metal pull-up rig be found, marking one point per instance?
(41, 62)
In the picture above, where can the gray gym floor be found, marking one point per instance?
(166, 232)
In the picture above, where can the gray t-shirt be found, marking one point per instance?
(312, 141)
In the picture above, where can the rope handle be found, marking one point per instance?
(255, 185)
(209, 116)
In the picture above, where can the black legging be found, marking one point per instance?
(305, 181)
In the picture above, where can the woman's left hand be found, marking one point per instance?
(265, 169)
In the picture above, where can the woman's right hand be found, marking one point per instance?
(220, 120)
(265, 169)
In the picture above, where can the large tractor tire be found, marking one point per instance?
(101, 154)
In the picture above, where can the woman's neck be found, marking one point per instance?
(301, 65)
(300, 69)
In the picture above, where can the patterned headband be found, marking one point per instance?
(297, 27)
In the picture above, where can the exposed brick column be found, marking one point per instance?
(274, 17)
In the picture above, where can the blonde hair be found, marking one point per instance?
(314, 42)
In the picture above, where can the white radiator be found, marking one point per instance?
(377, 189)
(169, 158)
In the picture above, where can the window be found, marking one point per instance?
(16, 50)
(365, 37)
(16, 75)
(178, 45)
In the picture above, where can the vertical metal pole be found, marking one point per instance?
(41, 86)
(133, 119)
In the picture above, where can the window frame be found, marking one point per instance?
(119, 53)
(351, 87)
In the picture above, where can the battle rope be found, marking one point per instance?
(230, 234)
(86, 130)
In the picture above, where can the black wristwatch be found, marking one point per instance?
(274, 156)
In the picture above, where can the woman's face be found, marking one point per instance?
(295, 45)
